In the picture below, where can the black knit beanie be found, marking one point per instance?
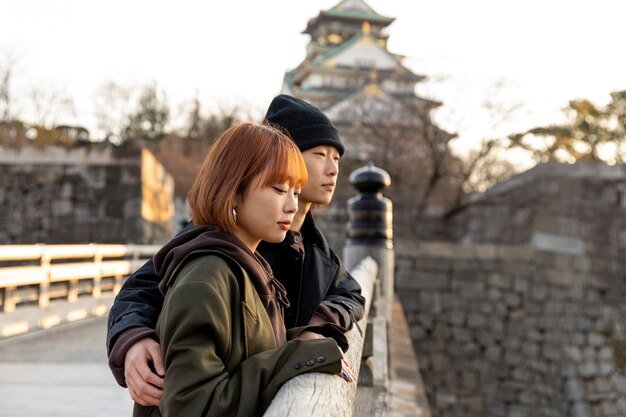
(306, 124)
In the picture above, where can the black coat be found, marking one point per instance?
(318, 279)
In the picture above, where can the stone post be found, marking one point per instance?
(370, 231)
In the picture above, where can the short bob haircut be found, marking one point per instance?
(234, 160)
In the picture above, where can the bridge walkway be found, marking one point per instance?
(60, 372)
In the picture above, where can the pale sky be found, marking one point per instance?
(234, 51)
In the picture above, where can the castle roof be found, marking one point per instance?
(372, 95)
(362, 46)
(356, 10)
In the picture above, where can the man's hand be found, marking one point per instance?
(308, 335)
(317, 320)
(145, 386)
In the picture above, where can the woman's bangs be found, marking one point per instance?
(293, 171)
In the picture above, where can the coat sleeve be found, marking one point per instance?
(134, 314)
(344, 296)
(197, 340)
(138, 304)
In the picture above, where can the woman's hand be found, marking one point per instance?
(346, 372)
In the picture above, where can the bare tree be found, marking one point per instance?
(193, 128)
(7, 67)
(487, 162)
(113, 108)
(399, 136)
(149, 120)
(430, 178)
(48, 105)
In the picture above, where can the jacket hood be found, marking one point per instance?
(271, 292)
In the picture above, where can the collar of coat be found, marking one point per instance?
(176, 251)
(310, 234)
(179, 250)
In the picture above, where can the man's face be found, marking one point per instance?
(322, 164)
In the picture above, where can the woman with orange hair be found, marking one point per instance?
(225, 348)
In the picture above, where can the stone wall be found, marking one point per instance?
(58, 195)
(524, 316)
(582, 201)
(513, 331)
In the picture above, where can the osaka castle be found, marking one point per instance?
(363, 87)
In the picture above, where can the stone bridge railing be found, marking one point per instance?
(36, 274)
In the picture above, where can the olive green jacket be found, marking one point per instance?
(218, 346)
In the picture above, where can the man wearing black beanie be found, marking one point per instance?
(305, 123)
(318, 287)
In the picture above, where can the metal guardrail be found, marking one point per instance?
(64, 271)
(318, 394)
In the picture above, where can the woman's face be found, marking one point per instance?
(322, 164)
(265, 212)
